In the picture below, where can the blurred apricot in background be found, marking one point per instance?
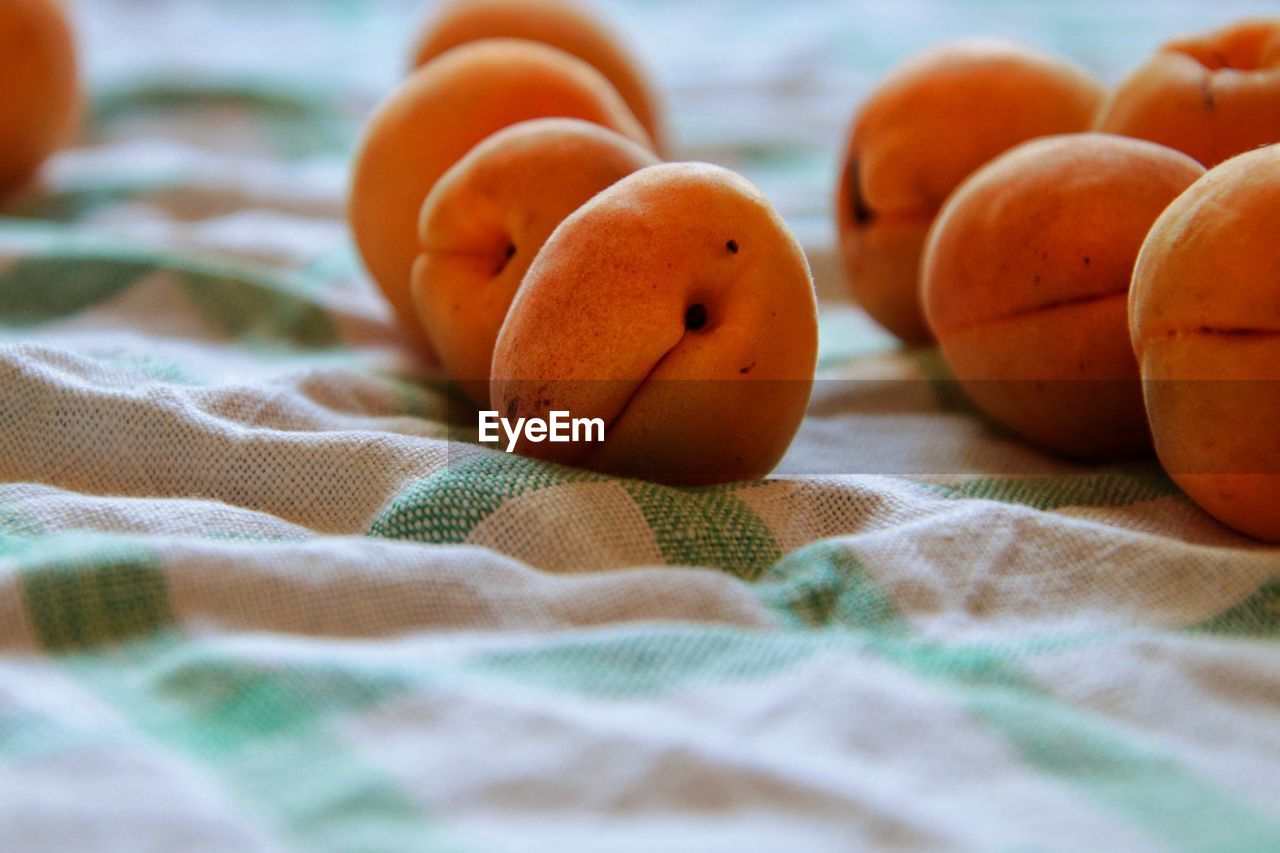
(38, 79)
(928, 125)
(563, 24)
(436, 116)
(1212, 96)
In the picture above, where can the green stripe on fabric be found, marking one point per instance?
(230, 701)
(437, 400)
(706, 527)
(1093, 757)
(824, 585)
(72, 204)
(1106, 490)
(446, 506)
(299, 121)
(30, 735)
(1119, 772)
(336, 264)
(270, 736)
(87, 592)
(267, 732)
(38, 290)
(266, 317)
(650, 662)
(1125, 775)
(697, 527)
(1256, 617)
(149, 365)
(258, 311)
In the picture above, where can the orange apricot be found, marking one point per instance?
(485, 220)
(39, 79)
(677, 308)
(1205, 321)
(1026, 280)
(924, 129)
(563, 24)
(1211, 96)
(435, 117)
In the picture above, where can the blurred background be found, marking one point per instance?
(260, 102)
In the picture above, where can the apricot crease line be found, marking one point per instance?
(1037, 309)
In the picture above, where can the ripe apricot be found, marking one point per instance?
(435, 118)
(39, 80)
(563, 24)
(677, 307)
(1205, 320)
(486, 219)
(926, 127)
(1025, 282)
(1212, 96)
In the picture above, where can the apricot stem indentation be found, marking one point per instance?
(506, 259)
(862, 212)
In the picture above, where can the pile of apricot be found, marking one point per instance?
(1100, 269)
(1089, 283)
(509, 200)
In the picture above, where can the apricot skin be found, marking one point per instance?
(1205, 321)
(925, 128)
(485, 220)
(1026, 277)
(676, 306)
(562, 24)
(1211, 96)
(434, 118)
(39, 80)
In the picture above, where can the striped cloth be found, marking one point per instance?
(256, 595)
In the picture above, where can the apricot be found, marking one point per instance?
(487, 217)
(435, 117)
(677, 307)
(39, 79)
(926, 127)
(562, 24)
(1026, 279)
(1205, 320)
(1211, 96)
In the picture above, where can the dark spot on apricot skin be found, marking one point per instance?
(1236, 332)
(1087, 260)
(1206, 94)
(862, 212)
(695, 318)
(506, 259)
(512, 408)
(745, 370)
(732, 246)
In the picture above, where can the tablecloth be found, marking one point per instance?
(256, 593)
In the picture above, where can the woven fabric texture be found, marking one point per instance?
(254, 594)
